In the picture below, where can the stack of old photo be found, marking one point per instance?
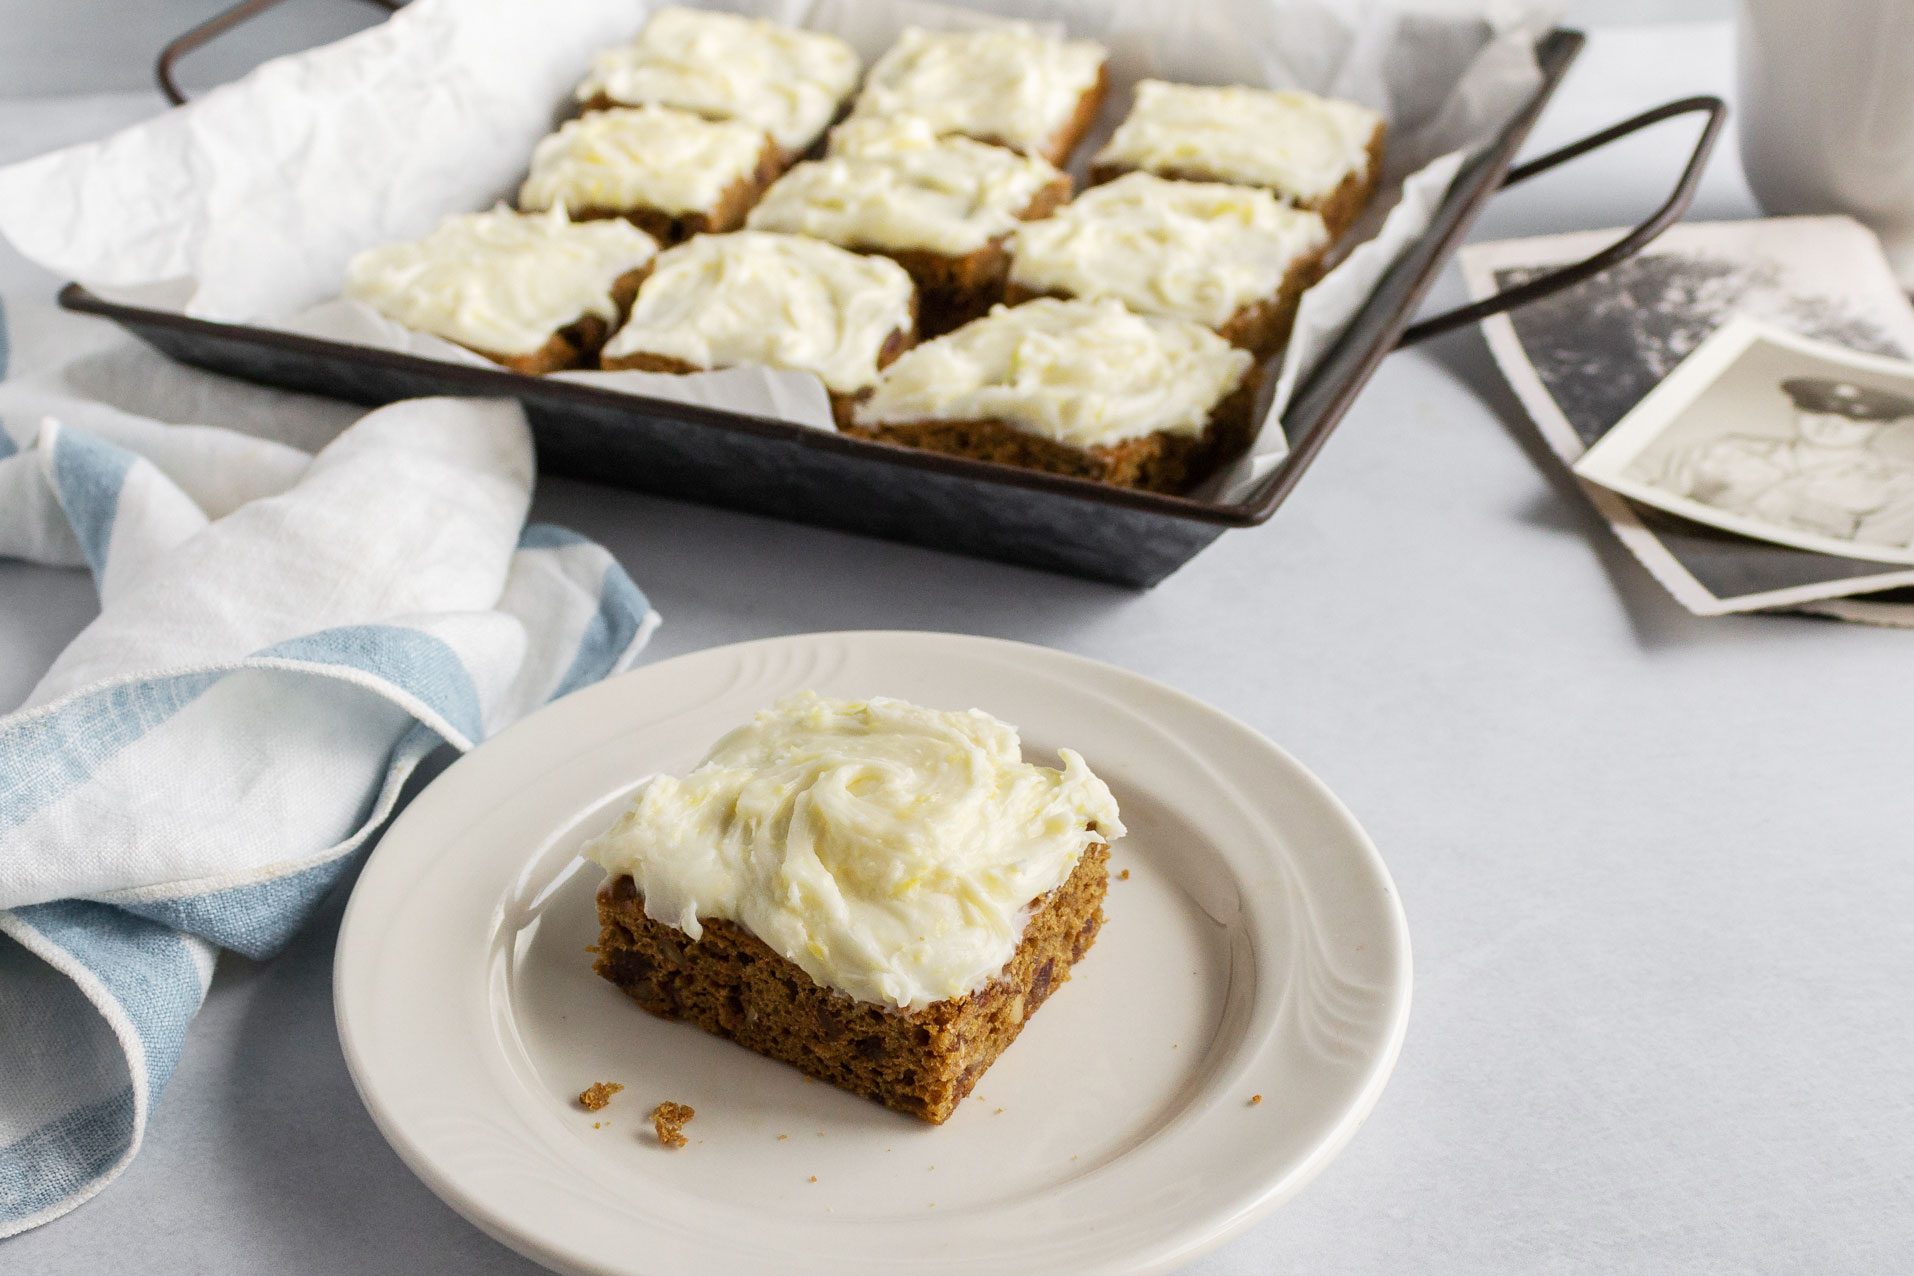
(736, 192)
(1740, 402)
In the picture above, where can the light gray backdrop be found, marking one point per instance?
(83, 46)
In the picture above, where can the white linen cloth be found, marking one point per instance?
(283, 637)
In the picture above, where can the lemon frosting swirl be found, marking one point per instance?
(500, 282)
(1008, 83)
(717, 301)
(642, 157)
(896, 184)
(891, 851)
(787, 81)
(1297, 144)
(1198, 250)
(1082, 373)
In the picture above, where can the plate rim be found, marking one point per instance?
(1178, 1249)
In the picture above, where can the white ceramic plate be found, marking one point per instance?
(1257, 947)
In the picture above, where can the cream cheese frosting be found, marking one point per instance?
(642, 157)
(890, 851)
(500, 282)
(789, 82)
(778, 300)
(1297, 144)
(1199, 250)
(895, 183)
(1082, 373)
(1007, 83)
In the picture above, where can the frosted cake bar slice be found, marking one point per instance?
(1007, 83)
(779, 301)
(877, 893)
(536, 292)
(1314, 152)
(1232, 258)
(1084, 388)
(671, 173)
(789, 82)
(939, 206)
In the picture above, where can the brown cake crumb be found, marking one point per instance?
(669, 1120)
(1255, 1099)
(814, 1178)
(596, 1095)
(1124, 876)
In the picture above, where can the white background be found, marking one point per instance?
(1658, 869)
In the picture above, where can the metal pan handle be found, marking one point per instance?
(211, 29)
(1622, 249)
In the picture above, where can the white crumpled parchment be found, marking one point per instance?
(245, 205)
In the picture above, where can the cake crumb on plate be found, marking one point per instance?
(596, 1095)
(669, 1119)
(1255, 1099)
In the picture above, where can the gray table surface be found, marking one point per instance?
(1657, 869)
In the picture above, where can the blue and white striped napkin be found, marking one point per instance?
(283, 636)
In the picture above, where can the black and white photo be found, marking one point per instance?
(1581, 360)
(1775, 437)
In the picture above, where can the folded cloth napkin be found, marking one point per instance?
(283, 636)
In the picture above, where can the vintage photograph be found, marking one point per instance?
(1773, 436)
(1581, 360)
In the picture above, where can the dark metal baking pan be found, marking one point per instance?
(950, 503)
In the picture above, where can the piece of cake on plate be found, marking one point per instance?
(671, 173)
(781, 301)
(939, 206)
(789, 82)
(1008, 83)
(1085, 388)
(1318, 153)
(536, 292)
(1232, 258)
(879, 894)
